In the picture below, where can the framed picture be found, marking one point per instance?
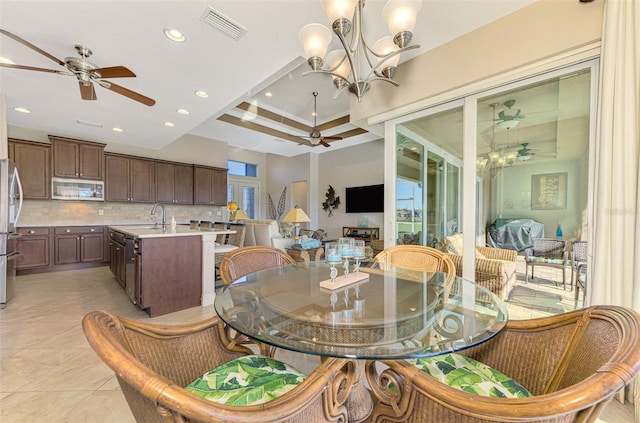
(549, 191)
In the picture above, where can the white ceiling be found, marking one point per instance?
(266, 58)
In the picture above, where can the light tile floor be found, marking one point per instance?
(50, 374)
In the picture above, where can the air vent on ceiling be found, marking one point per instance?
(222, 23)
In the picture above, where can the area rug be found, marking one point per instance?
(536, 300)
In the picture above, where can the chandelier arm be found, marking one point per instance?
(349, 55)
(376, 68)
(328, 72)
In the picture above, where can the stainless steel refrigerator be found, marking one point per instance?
(10, 207)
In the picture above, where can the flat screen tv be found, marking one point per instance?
(365, 199)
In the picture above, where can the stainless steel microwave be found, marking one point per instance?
(77, 189)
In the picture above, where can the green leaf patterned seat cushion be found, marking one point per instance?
(471, 376)
(248, 380)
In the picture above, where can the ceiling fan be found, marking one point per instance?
(86, 72)
(315, 137)
(525, 153)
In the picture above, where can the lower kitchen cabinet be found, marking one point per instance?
(78, 244)
(35, 248)
(168, 274)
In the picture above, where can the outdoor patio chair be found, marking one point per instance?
(546, 252)
(572, 364)
(578, 258)
(160, 369)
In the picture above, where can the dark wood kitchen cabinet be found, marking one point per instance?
(33, 160)
(209, 186)
(174, 183)
(35, 248)
(117, 258)
(129, 179)
(78, 244)
(77, 159)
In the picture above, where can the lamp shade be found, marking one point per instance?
(400, 15)
(339, 9)
(232, 206)
(386, 46)
(315, 39)
(334, 58)
(296, 215)
(239, 215)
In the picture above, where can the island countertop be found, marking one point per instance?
(151, 231)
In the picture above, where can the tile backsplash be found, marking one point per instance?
(59, 212)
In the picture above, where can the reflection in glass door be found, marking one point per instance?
(428, 178)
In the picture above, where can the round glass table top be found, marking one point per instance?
(373, 314)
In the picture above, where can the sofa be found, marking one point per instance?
(495, 267)
(265, 232)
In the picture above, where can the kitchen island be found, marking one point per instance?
(164, 269)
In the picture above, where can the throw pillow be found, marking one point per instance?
(248, 380)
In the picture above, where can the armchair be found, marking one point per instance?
(495, 267)
(154, 363)
(546, 252)
(572, 363)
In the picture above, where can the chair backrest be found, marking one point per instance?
(237, 238)
(573, 363)
(579, 249)
(416, 257)
(221, 226)
(242, 261)
(153, 363)
(549, 248)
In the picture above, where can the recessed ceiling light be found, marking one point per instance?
(183, 111)
(116, 129)
(201, 94)
(268, 94)
(22, 109)
(175, 35)
(7, 61)
(169, 124)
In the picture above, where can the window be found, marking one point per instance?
(242, 169)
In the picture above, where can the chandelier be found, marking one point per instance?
(357, 64)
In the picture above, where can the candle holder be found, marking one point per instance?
(333, 256)
(346, 250)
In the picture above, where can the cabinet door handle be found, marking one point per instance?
(31, 232)
(92, 230)
(67, 230)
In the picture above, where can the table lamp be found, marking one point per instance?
(296, 215)
(232, 206)
(239, 215)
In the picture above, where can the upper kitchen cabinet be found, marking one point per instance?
(129, 179)
(77, 159)
(174, 183)
(33, 160)
(209, 186)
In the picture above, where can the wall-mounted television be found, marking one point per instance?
(365, 199)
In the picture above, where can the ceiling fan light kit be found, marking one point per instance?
(348, 67)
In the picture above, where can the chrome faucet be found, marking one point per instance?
(164, 213)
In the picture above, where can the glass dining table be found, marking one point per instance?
(376, 313)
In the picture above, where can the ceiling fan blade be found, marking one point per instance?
(115, 72)
(332, 138)
(323, 142)
(31, 68)
(128, 93)
(31, 46)
(87, 92)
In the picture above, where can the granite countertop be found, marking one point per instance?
(151, 231)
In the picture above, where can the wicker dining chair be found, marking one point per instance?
(242, 261)
(546, 252)
(572, 364)
(415, 257)
(154, 363)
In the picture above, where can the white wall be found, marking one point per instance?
(354, 166)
